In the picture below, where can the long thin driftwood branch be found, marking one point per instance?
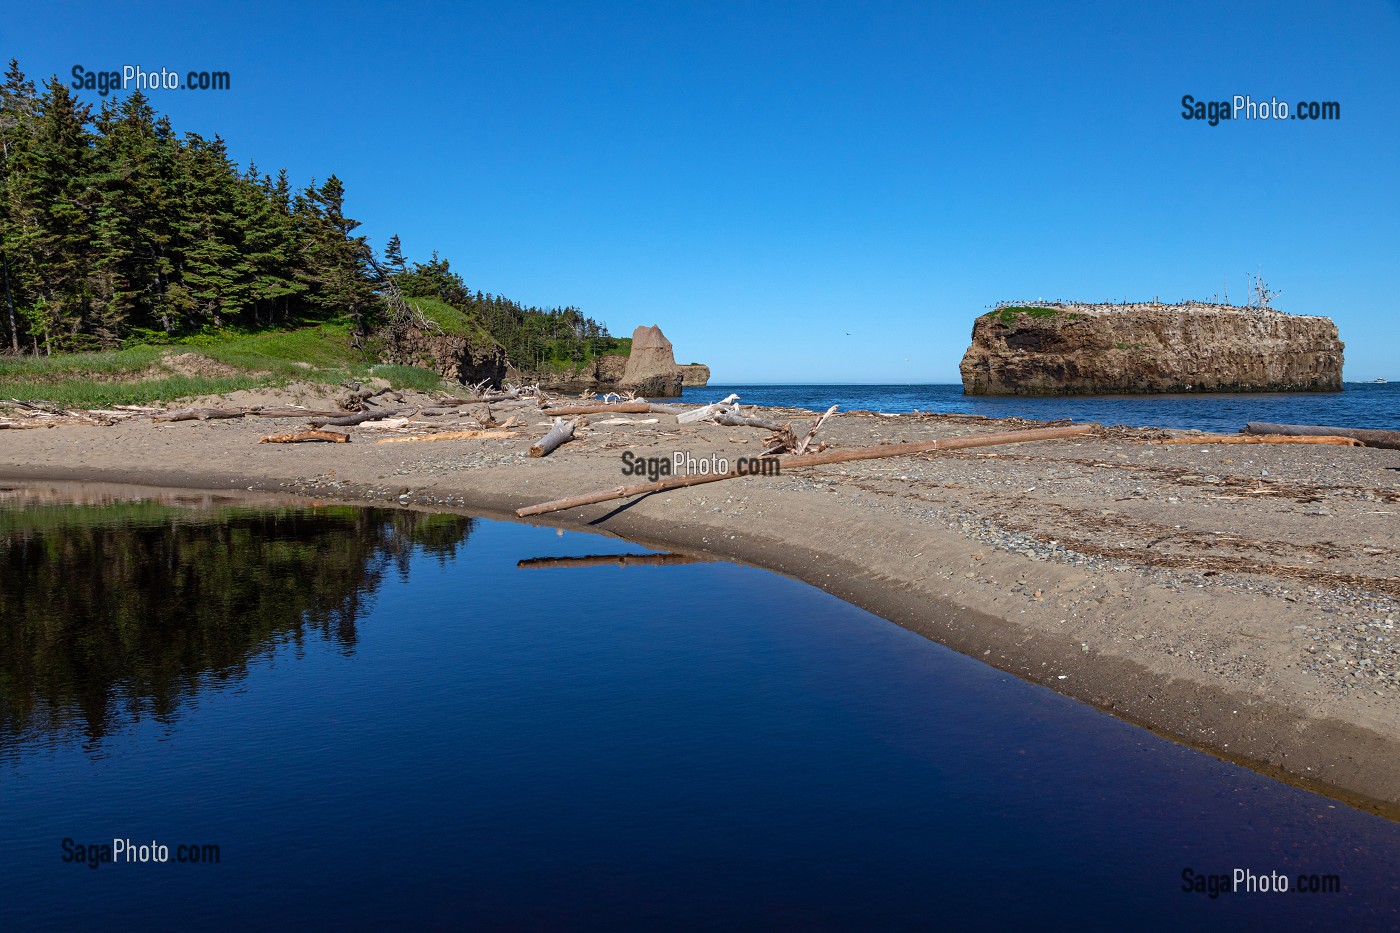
(1371, 438)
(1258, 439)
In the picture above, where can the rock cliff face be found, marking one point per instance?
(651, 368)
(1062, 349)
(695, 375)
(449, 355)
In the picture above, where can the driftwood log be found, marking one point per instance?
(35, 405)
(602, 408)
(1258, 439)
(1390, 440)
(612, 560)
(561, 433)
(289, 411)
(333, 437)
(346, 421)
(732, 419)
(201, 414)
(878, 452)
(448, 436)
(706, 411)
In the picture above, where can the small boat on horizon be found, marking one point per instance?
(1380, 381)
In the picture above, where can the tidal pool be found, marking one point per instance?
(379, 719)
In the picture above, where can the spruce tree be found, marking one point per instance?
(50, 209)
(214, 277)
(339, 266)
(18, 107)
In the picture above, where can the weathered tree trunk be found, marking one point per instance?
(561, 433)
(448, 436)
(877, 452)
(706, 411)
(287, 411)
(602, 408)
(1371, 438)
(201, 414)
(732, 419)
(350, 420)
(10, 304)
(333, 437)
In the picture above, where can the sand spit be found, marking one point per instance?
(1244, 600)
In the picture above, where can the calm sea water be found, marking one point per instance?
(1359, 405)
(383, 722)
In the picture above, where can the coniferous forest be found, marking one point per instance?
(116, 230)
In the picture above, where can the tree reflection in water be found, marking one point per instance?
(111, 613)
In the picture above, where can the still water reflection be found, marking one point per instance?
(126, 610)
(385, 718)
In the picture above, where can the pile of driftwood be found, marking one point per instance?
(783, 438)
(21, 415)
(364, 407)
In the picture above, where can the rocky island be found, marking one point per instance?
(1060, 348)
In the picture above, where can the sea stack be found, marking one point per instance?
(651, 367)
(695, 375)
(1082, 349)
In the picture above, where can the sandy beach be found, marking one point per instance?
(1240, 599)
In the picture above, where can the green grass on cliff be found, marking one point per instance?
(208, 365)
(452, 321)
(1008, 315)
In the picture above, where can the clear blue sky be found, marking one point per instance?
(762, 179)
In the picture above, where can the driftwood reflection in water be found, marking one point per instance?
(611, 560)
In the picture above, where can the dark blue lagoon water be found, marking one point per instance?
(1359, 405)
(383, 721)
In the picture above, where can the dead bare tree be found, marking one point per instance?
(1260, 295)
